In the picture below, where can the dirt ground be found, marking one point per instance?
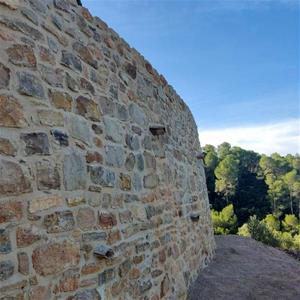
(246, 269)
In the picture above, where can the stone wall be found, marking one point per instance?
(101, 192)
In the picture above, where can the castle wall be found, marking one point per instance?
(101, 192)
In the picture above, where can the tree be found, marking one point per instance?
(223, 150)
(227, 176)
(292, 181)
(210, 163)
(278, 195)
(260, 232)
(272, 222)
(225, 221)
(290, 224)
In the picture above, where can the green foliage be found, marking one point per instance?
(260, 232)
(272, 222)
(260, 194)
(244, 230)
(227, 176)
(225, 221)
(285, 239)
(290, 223)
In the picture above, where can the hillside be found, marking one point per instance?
(246, 269)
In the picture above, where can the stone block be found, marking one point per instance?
(12, 179)
(87, 108)
(61, 100)
(44, 203)
(36, 143)
(107, 220)
(59, 221)
(5, 243)
(11, 112)
(47, 176)
(54, 257)
(30, 85)
(26, 236)
(79, 128)
(75, 173)
(22, 55)
(7, 148)
(4, 76)
(50, 118)
(85, 218)
(114, 156)
(23, 263)
(6, 269)
(103, 177)
(10, 211)
(151, 181)
(113, 130)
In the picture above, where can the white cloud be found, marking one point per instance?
(281, 137)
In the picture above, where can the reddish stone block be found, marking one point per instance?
(54, 257)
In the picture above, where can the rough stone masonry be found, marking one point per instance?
(102, 192)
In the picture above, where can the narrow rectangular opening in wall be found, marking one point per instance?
(157, 130)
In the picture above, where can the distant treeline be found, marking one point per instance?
(250, 190)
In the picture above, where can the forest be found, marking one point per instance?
(254, 195)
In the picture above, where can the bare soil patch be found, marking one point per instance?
(246, 269)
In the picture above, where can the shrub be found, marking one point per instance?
(225, 221)
(260, 232)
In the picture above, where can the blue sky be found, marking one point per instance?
(234, 62)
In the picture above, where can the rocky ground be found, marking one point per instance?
(246, 269)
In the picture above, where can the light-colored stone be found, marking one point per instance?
(40, 204)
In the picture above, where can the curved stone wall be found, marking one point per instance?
(101, 192)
